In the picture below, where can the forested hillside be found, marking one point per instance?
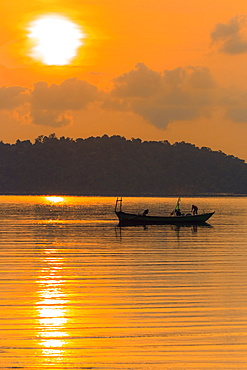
(116, 166)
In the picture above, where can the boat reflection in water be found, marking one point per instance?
(176, 228)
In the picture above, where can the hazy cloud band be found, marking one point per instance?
(158, 97)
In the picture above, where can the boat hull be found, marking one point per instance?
(133, 219)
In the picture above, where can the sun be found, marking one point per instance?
(55, 39)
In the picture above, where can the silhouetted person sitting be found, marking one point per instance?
(145, 212)
(178, 213)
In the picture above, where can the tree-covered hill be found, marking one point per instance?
(116, 166)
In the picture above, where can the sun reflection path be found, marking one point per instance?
(55, 199)
(52, 313)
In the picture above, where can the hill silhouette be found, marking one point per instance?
(116, 166)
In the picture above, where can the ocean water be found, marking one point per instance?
(79, 292)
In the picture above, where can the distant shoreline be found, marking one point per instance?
(214, 195)
(114, 166)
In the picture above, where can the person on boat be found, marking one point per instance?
(177, 208)
(194, 209)
(177, 211)
(145, 212)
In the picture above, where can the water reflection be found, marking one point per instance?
(193, 227)
(76, 292)
(177, 229)
(55, 199)
(51, 308)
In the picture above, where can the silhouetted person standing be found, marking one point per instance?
(194, 209)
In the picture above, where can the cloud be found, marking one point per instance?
(238, 114)
(70, 94)
(141, 82)
(160, 98)
(231, 37)
(52, 118)
(235, 103)
(12, 97)
(52, 105)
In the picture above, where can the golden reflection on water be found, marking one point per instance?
(51, 309)
(55, 199)
(77, 292)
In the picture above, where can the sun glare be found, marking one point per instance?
(55, 199)
(55, 40)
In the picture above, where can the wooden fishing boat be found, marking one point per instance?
(144, 219)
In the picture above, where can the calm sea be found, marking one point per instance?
(78, 292)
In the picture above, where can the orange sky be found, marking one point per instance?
(150, 69)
